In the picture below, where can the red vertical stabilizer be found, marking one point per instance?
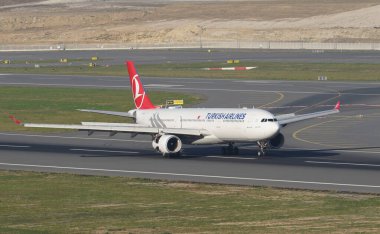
(140, 98)
(337, 106)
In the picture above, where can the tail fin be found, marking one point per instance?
(141, 99)
(337, 106)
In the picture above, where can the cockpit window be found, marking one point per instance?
(269, 120)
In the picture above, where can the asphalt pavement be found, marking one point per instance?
(339, 152)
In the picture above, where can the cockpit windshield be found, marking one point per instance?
(268, 120)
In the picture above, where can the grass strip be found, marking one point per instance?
(63, 203)
(264, 71)
(59, 105)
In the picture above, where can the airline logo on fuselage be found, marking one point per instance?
(239, 116)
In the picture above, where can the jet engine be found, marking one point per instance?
(167, 144)
(277, 141)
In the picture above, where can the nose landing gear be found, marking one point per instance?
(263, 148)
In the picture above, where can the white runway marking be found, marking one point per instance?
(192, 175)
(47, 78)
(61, 75)
(203, 79)
(106, 151)
(312, 149)
(349, 87)
(170, 87)
(276, 91)
(212, 156)
(15, 146)
(162, 85)
(65, 85)
(338, 150)
(258, 81)
(195, 82)
(113, 79)
(343, 163)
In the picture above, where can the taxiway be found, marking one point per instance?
(339, 152)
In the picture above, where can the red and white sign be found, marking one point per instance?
(228, 68)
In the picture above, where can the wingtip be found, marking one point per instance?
(15, 120)
(337, 106)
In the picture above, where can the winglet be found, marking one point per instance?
(337, 106)
(141, 99)
(16, 121)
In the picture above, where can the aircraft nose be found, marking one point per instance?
(276, 128)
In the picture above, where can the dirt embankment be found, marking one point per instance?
(84, 21)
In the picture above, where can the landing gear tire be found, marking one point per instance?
(261, 153)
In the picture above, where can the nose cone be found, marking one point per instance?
(275, 128)
(270, 130)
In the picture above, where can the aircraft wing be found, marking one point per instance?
(125, 128)
(292, 118)
(129, 114)
(285, 116)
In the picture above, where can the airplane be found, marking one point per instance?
(172, 127)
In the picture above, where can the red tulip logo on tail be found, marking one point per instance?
(141, 100)
(138, 91)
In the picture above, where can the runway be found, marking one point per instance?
(322, 169)
(340, 152)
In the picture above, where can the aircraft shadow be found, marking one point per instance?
(190, 152)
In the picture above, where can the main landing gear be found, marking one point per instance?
(230, 149)
(264, 146)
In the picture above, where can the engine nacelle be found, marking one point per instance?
(167, 144)
(277, 141)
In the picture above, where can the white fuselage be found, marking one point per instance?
(222, 124)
